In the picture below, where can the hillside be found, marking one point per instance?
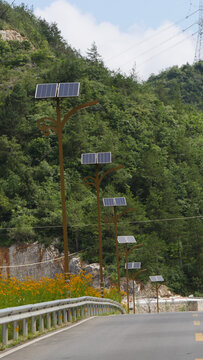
(154, 128)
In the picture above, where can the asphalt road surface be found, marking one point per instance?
(168, 336)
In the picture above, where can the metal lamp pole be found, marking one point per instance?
(89, 181)
(57, 126)
(157, 279)
(114, 219)
(127, 252)
(134, 276)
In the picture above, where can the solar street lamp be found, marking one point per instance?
(157, 279)
(128, 240)
(118, 201)
(134, 265)
(57, 91)
(88, 181)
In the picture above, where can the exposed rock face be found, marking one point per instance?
(22, 260)
(33, 260)
(7, 35)
(75, 265)
(94, 269)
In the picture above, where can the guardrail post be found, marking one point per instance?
(82, 311)
(65, 316)
(15, 330)
(54, 319)
(25, 327)
(74, 311)
(33, 324)
(78, 312)
(60, 318)
(41, 323)
(5, 334)
(69, 315)
(48, 321)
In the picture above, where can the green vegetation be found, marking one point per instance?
(153, 128)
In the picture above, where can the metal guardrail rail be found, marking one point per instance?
(38, 318)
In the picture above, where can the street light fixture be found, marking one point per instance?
(88, 181)
(157, 279)
(134, 265)
(57, 91)
(119, 201)
(128, 240)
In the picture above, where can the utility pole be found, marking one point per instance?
(199, 44)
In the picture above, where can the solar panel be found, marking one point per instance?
(114, 201)
(96, 158)
(156, 278)
(120, 201)
(68, 89)
(104, 158)
(126, 239)
(89, 158)
(46, 91)
(108, 201)
(134, 265)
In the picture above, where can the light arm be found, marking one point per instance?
(71, 112)
(109, 171)
(86, 181)
(45, 129)
(125, 211)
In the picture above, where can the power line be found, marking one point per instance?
(151, 37)
(170, 47)
(84, 225)
(163, 42)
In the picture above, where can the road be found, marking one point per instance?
(165, 336)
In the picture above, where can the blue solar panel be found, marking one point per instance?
(156, 278)
(46, 91)
(104, 158)
(134, 265)
(108, 201)
(96, 158)
(120, 201)
(114, 201)
(126, 239)
(68, 89)
(88, 158)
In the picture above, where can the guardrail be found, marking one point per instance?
(38, 318)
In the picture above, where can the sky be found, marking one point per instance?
(142, 36)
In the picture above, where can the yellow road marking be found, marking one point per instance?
(195, 315)
(199, 337)
(196, 323)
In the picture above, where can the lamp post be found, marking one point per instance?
(120, 201)
(57, 91)
(156, 279)
(88, 181)
(134, 276)
(128, 240)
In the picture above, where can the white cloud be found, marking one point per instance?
(122, 49)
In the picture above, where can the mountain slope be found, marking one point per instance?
(154, 132)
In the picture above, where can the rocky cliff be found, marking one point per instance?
(36, 260)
